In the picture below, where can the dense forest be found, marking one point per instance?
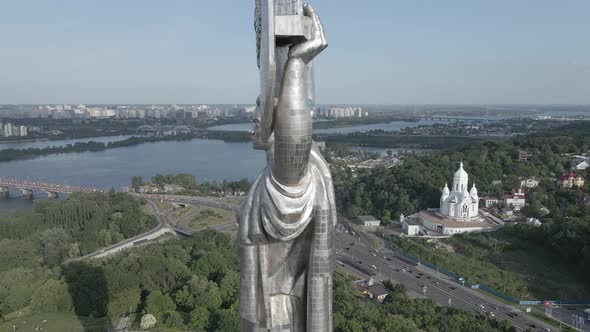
(35, 244)
(80, 224)
(193, 284)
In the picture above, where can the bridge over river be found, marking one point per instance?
(51, 189)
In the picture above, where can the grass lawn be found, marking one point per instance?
(546, 276)
(208, 217)
(163, 206)
(509, 266)
(181, 212)
(56, 322)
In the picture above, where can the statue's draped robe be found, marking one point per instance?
(285, 241)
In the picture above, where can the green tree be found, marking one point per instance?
(229, 287)
(157, 304)
(52, 296)
(18, 253)
(225, 321)
(199, 318)
(124, 303)
(173, 319)
(55, 245)
(136, 183)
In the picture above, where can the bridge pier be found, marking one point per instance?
(4, 192)
(26, 193)
(52, 194)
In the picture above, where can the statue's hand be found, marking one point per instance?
(317, 42)
(257, 141)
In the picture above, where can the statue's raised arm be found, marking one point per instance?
(292, 120)
(286, 225)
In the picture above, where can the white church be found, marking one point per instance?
(458, 212)
(459, 203)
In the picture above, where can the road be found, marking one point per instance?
(423, 282)
(162, 228)
(572, 316)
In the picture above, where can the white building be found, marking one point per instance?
(528, 182)
(410, 227)
(7, 129)
(491, 201)
(458, 212)
(459, 203)
(580, 162)
(23, 131)
(534, 221)
(368, 221)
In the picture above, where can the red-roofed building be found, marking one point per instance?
(571, 180)
(524, 155)
(516, 200)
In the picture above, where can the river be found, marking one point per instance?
(113, 168)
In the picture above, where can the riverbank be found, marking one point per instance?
(92, 146)
(352, 122)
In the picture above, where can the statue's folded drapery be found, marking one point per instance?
(285, 242)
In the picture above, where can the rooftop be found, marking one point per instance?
(367, 218)
(378, 289)
(412, 221)
(433, 216)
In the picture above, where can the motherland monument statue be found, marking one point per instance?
(286, 229)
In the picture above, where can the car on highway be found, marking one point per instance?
(389, 259)
(374, 267)
(453, 287)
(492, 314)
(512, 314)
(482, 306)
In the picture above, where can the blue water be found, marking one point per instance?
(206, 159)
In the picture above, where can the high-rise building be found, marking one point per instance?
(7, 129)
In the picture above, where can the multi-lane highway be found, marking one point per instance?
(423, 282)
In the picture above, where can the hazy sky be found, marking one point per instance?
(381, 51)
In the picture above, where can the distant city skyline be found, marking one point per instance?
(394, 52)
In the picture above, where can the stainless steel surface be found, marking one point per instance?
(286, 227)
